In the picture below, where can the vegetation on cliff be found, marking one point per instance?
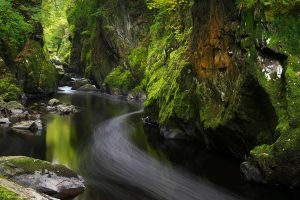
(224, 72)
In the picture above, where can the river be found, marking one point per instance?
(107, 144)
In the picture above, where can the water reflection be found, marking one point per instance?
(99, 155)
(61, 140)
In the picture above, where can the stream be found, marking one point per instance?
(120, 159)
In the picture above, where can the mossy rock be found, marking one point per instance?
(9, 88)
(51, 179)
(15, 166)
(34, 70)
(6, 194)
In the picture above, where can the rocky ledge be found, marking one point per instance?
(47, 181)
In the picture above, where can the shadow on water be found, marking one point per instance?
(119, 159)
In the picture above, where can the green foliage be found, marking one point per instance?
(120, 78)
(170, 87)
(56, 27)
(6, 194)
(9, 89)
(170, 4)
(137, 63)
(275, 6)
(13, 27)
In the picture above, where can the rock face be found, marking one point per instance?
(35, 72)
(225, 72)
(54, 180)
(104, 45)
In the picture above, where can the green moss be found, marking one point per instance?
(30, 166)
(9, 88)
(137, 63)
(120, 78)
(13, 28)
(35, 71)
(6, 194)
(282, 156)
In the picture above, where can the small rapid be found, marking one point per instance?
(121, 164)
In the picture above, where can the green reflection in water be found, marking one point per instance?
(60, 139)
(140, 139)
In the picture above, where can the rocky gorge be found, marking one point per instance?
(222, 73)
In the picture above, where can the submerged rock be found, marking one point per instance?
(88, 88)
(251, 172)
(54, 180)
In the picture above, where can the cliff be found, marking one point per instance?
(222, 72)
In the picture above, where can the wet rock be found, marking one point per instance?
(4, 122)
(115, 92)
(54, 180)
(54, 102)
(131, 97)
(60, 70)
(64, 109)
(79, 83)
(18, 117)
(140, 96)
(26, 125)
(88, 88)
(174, 133)
(251, 172)
(66, 80)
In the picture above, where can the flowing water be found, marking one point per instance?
(119, 159)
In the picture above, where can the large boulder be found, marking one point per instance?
(79, 83)
(34, 71)
(88, 88)
(54, 180)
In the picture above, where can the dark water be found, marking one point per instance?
(106, 143)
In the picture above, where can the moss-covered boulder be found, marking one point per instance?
(54, 180)
(34, 70)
